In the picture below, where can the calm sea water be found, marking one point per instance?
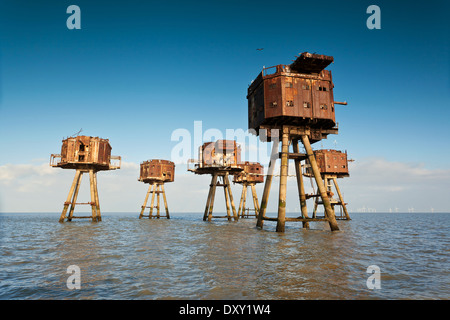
(123, 257)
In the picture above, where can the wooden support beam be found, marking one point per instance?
(283, 181)
(155, 188)
(242, 208)
(208, 200)
(245, 199)
(97, 200)
(150, 215)
(300, 184)
(230, 194)
(158, 202)
(70, 196)
(82, 217)
(213, 194)
(75, 195)
(93, 201)
(227, 202)
(329, 212)
(316, 203)
(255, 198)
(165, 201)
(144, 205)
(267, 185)
(341, 199)
(299, 219)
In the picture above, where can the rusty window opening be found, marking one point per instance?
(272, 86)
(323, 106)
(289, 103)
(306, 104)
(288, 84)
(82, 147)
(305, 87)
(80, 158)
(274, 104)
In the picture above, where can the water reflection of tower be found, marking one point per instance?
(84, 154)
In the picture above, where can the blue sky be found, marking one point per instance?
(138, 70)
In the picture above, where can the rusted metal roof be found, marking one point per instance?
(310, 63)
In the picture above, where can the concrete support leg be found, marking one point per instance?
(329, 212)
(281, 220)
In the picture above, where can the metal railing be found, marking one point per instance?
(53, 160)
(115, 162)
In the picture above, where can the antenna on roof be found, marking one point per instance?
(78, 133)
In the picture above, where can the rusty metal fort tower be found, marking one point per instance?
(296, 100)
(252, 174)
(86, 155)
(156, 172)
(219, 159)
(333, 164)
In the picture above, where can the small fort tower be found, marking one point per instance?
(252, 174)
(220, 159)
(297, 102)
(156, 172)
(85, 155)
(332, 165)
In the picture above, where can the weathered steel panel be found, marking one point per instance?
(332, 162)
(253, 173)
(82, 151)
(273, 97)
(299, 94)
(220, 153)
(157, 170)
